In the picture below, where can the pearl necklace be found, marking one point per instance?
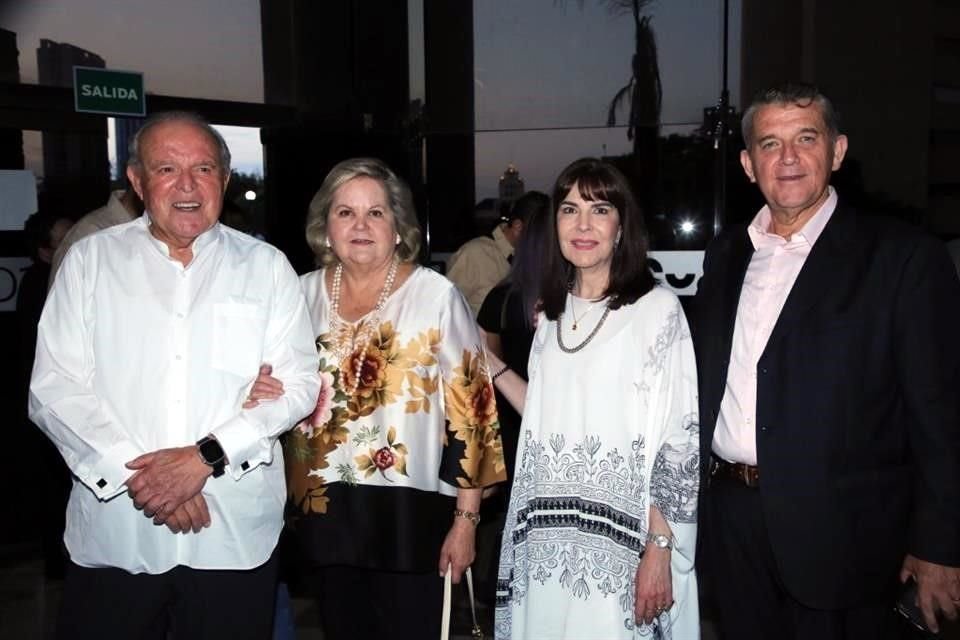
(343, 350)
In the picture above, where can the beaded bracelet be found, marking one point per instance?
(500, 373)
(469, 515)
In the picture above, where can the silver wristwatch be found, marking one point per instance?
(660, 540)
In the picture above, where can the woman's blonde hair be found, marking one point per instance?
(399, 199)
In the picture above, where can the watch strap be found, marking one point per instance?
(212, 455)
(660, 540)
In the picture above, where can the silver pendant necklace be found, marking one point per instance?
(573, 312)
(586, 340)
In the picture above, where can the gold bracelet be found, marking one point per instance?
(469, 515)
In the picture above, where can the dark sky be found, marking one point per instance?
(556, 65)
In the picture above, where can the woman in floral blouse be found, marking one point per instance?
(405, 421)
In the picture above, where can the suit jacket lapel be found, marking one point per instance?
(818, 270)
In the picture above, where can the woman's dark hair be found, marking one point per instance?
(630, 276)
(526, 271)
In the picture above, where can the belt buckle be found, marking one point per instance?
(749, 479)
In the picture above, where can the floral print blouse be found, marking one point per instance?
(423, 417)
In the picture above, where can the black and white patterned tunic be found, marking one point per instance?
(606, 432)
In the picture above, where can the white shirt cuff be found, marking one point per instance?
(243, 446)
(107, 478)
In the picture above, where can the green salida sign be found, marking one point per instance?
(118, 93)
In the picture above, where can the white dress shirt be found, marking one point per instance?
(773, 268)
(136, 352)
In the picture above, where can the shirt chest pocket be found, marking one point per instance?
(238, 333)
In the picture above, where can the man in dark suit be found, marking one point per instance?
(830, 399)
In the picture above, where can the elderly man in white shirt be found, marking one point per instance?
(147, 349)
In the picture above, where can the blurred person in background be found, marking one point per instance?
(44, 232)
(508, 312)
(481, 263)
(123, 206)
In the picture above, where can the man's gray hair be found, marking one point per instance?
(790, 93)
(134, 159)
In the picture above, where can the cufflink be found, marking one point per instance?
(245, 465)
(101, 483)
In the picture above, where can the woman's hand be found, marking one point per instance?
(265, 387)
(458, 548)
(654, 587)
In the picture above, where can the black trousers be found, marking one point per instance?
(112, 604)
(751, 601)
(365, 603)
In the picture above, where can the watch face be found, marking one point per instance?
(661, 541)
(211, 451)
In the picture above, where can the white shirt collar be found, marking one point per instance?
(200, 243)
(760, 234)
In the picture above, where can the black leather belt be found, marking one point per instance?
(747, 475)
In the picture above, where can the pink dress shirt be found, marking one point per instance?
(773, 268)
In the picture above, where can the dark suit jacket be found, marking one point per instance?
(858, 422)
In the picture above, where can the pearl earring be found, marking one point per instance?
(398, 239)
(326, 242)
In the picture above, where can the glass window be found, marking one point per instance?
(190, 48)
(554, 81)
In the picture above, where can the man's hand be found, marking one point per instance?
(938, 589)
(165, 479)
(265, 387)
(192, 515)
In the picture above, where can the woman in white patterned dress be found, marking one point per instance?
(601, 529)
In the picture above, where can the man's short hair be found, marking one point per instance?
(799, 94)
(223, 152)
